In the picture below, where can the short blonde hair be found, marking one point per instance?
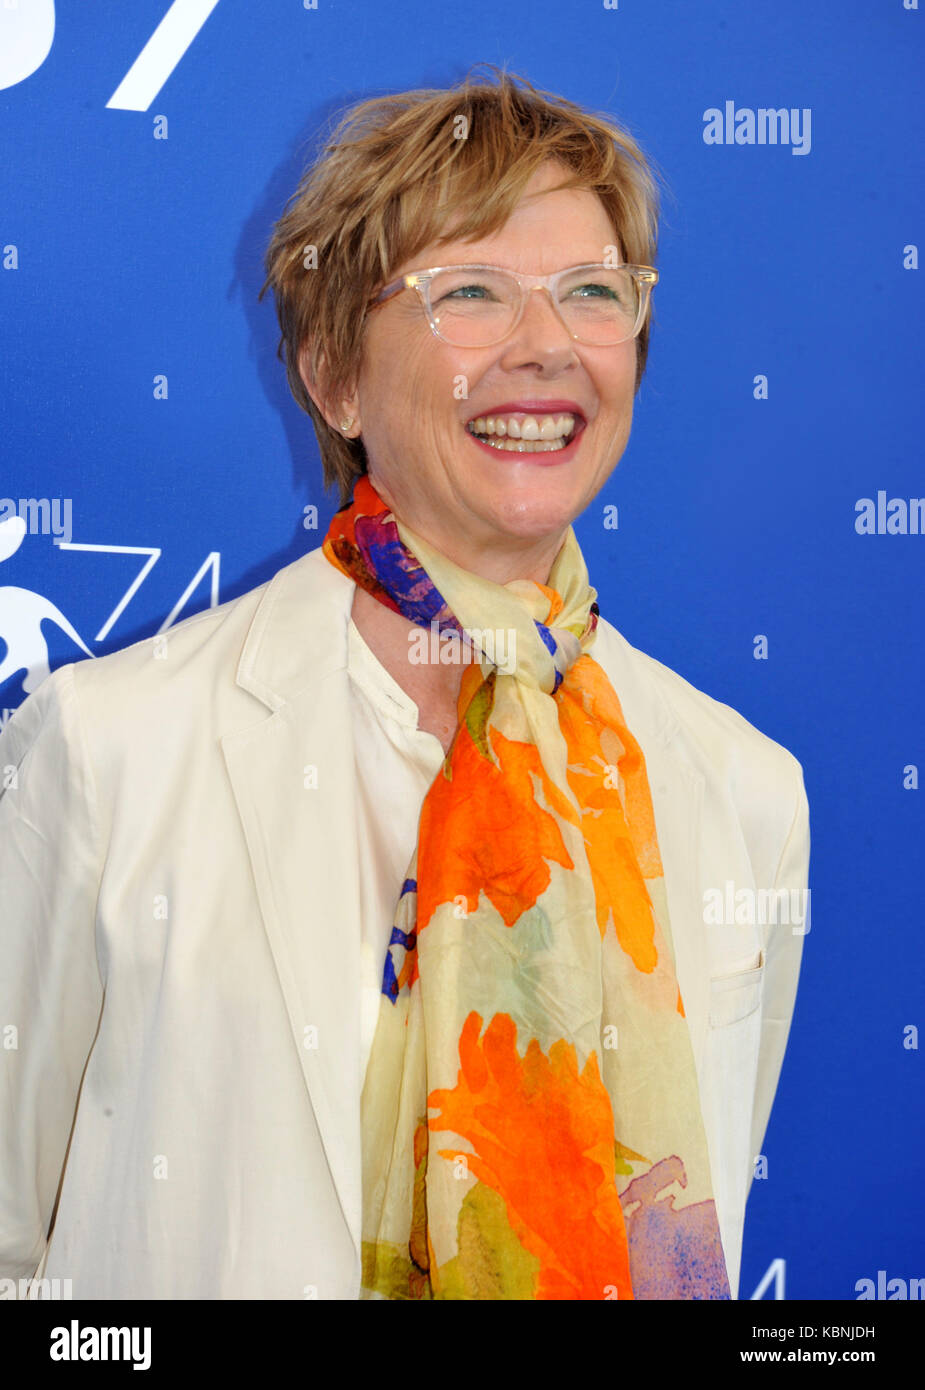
(395, 173)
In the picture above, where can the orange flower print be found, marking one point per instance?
(483, 830)
(542, 1137)
(619, 854)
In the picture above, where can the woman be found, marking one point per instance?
(370, 966)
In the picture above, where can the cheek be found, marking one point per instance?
(619, 388)
(423, 384)
(449, 378)
(396, 365)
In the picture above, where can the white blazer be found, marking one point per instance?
(180, 948)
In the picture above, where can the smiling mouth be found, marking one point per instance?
(522, 433)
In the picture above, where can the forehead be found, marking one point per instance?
(549, 228)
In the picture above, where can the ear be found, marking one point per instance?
(336, 409)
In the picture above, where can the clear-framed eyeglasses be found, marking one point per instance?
(479, 305)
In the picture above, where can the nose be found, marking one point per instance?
(540, 338)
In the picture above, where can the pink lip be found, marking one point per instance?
(533, 408)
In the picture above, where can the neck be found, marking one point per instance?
(502, 568)
(481, 551)
(433, 687)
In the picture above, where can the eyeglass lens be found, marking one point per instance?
(475, 308)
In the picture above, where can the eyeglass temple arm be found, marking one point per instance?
(394, 288)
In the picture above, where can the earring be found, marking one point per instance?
(347, 424)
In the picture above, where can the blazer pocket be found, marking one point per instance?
(736, 996)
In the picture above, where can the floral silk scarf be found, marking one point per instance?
(530, 1116)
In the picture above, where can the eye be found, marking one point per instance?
(471, 291)
(468, 286)
(594, 290)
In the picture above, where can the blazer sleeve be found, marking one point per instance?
(50, 988)
(783, 954)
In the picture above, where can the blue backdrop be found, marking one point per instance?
(145, 413)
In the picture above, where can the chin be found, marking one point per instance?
(542, 499)
(533, 520)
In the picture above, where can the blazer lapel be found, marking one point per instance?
(293, 780)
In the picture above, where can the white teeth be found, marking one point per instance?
(550, 431)
(526, 446)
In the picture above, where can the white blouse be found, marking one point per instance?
(396, 762)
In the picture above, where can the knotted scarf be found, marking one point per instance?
(530, 1116)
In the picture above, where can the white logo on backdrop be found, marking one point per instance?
(27, 31)
(22, 612)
